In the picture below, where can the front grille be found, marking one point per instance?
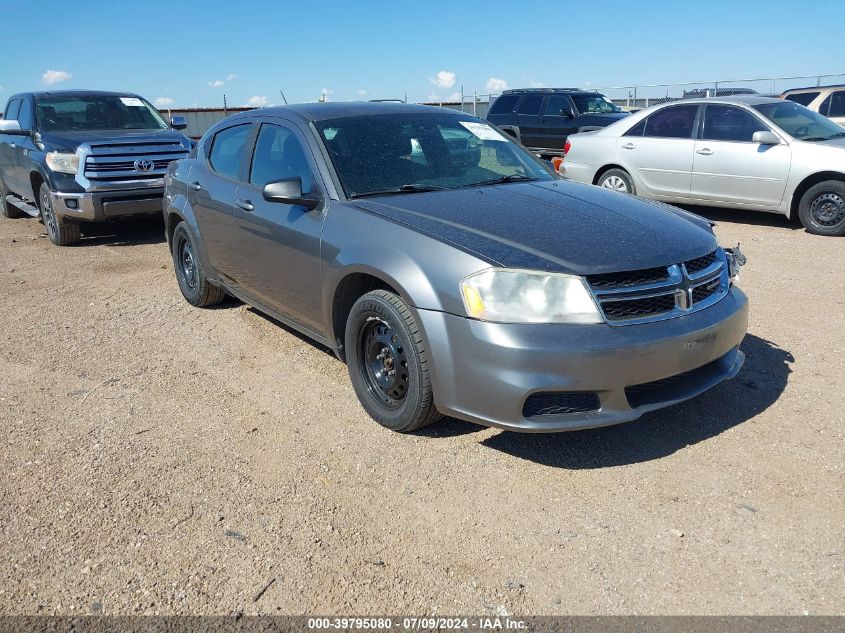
(671, 388)
(560, 403)
(629, 278)
(698, 264)
(639, 308)
(662, 292)
(116, 161)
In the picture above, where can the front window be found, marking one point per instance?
(406, 153)
(729, 123)
(799, 122)
(594, 104)
(96, 112)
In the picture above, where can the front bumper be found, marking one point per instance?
(483, 372)
(107, 205)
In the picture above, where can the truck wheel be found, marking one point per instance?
(189, 271)
(388, 363)
(8, 210)
(617, 180)
(61, 233)
(822, 208)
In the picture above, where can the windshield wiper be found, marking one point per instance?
(823, 138)
(409, 188)
(503, 179)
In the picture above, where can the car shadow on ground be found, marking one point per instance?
(125, 233)
(661, 433)
(741, 216)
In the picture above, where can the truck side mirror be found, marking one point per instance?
(12, 127)
(178, 122)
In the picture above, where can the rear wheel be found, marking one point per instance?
(8, 210)
(617, 180)
(822, 208)
(388, 363)
(190, 273)
(61, 233)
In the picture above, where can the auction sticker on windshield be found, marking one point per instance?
(483, 131)
(132, 101)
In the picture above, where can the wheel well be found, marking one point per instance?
(35, 179)
(808, 182)
(604, 169)
(349, 290)
(171, 222)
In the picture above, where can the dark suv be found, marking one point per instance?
(543, 118)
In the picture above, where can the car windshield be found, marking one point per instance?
(594, 103)
(799, 122)
(97, 112)
(412, 152)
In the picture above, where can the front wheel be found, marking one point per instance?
(61, 233)
(822, 208)
(388, 363)
(617, 180)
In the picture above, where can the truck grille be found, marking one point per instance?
(114, 162)
(663, 292)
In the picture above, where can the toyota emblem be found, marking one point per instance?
(144, 164)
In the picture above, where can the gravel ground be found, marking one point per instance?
(159, 458)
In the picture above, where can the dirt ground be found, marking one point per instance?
(159, 458)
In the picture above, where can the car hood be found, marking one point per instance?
(556, 226)
(70, 140)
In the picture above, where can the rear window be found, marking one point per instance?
(672, 122)
(834, 105)
(804, 98)
(503, 104)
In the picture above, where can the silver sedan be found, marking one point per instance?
(744, 152)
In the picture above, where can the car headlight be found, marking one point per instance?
(61, 162)
(524, 296)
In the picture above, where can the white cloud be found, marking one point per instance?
(258, 102)
(215, 84)
(162, 102)
(361, 92)
(536, 84)
(55, 76)
(231, 77)
(496, 85)
(455, 96)
(444, 79)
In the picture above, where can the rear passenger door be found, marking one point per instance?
(278, 245)
(558, 121)
(658, 151)
(528, 120)
(213, 185)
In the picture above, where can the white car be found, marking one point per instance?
(745, 152)
(826, 100)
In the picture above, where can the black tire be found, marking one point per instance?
(381, 322)
(822, 208)
(614, 179)
(189, 271)
(61, 233)
(8, 210)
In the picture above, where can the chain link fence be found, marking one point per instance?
(643, 96)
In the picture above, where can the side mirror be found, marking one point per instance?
(12, 127)
(178, 122)
(289, 191)
(765, 138)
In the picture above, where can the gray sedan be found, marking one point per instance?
(744, 152)
(451, 270)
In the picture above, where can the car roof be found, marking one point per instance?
(71, 93)
(516, 91)
(749, 100)
(812, 89)
(312, 112)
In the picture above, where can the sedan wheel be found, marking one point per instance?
(822, 208)
(617, 180)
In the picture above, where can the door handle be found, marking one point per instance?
(628, 146)
(704, 151)
(246, 205)
(196, 186)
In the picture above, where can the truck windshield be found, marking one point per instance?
(96, 112)
(409, 153)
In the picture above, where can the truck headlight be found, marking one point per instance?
(63, 163)
(504, 295)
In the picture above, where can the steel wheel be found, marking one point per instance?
(187, 263)
(828, 209)
(616, 183)
(384, 363)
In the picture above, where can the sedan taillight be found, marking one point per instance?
(567, 146)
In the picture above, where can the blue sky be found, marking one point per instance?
(190, 53)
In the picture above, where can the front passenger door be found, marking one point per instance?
(279, 244)
(558, 121)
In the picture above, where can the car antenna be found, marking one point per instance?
(283, 97)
